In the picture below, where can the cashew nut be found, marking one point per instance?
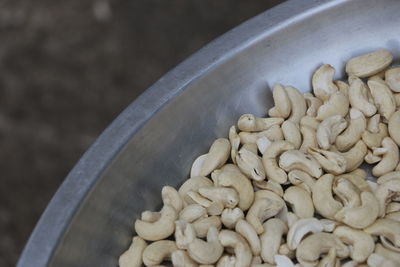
(270, 163)
(353, 132)
(385, 192)
(359, 97)
(202, 225)
(171, 197)
(184, 234)
(241, 248)
(193, 184)
(251, 123)
(226, 261)
(299, 106)
(300, 229)
(230, 217)
(337, 104)
(347, 192)
(373, 123)
(292, 134)
(158, 251)
(355, 156)
(132, 257)
(216, 157)
(271, 238)
(250, 164)
(192, 212)
(234, 139)
(298, 160)
(389, 160)
(283, 261)
(249, 233)
(227, 196)
(369, 64)
(300, 200)
(273, 133)
(282, 102)
(297, 177)
(387, 228)
(394, 127)
(322, 82)
(309, 138)
(392, 78)
(329, 129)
(383, 97)
(180, 258)
(330, 161)
(324, 203)
(375, 139)
(261, 210)
(376, 260)
(313, 104)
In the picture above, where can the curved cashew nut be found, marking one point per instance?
(385, 192)
(274, 133)
(300, 229)
(394, 127)
(389, 160)
(171, 197)
(271, 238)
(313, 104)
(184, 234)
(157, 252)
(329, 129)
(292, 134)
(299, 106)
(216, 157)
(369, 64)
(160, 229)
(310, 249)
(270, 162)
(362, 243)
(150, 216)
(383, 97)
(251, 123)
(309, 138)
(297, 177)
(193, 184)
(241, 248)
(298, 160)
(387, 228)
(242, 185)
(234, 139)
(359, 97)
(324, 202)
(322, 82)
(250, 164)
(375, 139)
(361, 216)
(226, 261)
(330, 161)
(180, 258)
(227, 196)
(353, 132)
(392, 78)
(261, 210)
(337, 104)
(387, 244)
(206, 252)
(202, 225)
(192, 212)
(197, 165)
(132, 257)
(249, 233)
(282, 102)
(230, 217)
(300, 200)
(348, 193)
(355, 156)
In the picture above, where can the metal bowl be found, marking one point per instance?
(89, 221)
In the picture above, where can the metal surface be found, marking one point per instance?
(154, 141)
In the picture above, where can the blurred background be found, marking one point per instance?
(68, 68)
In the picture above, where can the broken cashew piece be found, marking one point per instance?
(133, 256)
(369, 64)
(322, 82)
(329, 129)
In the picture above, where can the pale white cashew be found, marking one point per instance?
(150, 216)
(298, 160)
(297, 177)
(312, 247)
(202, 225)
(353, 132)
(323, 200)
(387, 228)
(250, 164)
(387, 244)
(386, 192)
(388, 176)
(359, 97)
(373, 123)
(329, 129)
(322, 82)
(249, 233)
(132, 257)
(330, 161)
(269, 185)
(252, 147)
(300, 229)
(206, 252)
(193, 184)
(375, 139)
(362, 244)
(158, 251)
(227, 261)
(184, 234)
(284, 250)
(234, 139)
(383, 97)
(262, 144)
(192, 212)
(361, 216)
(300, 201)
(227, 196)
(230, 217)
(369, 64)
(241, 248)
(199, 199)
(389, 160)
(274, 133)
(171, 197)
(299, 106)
(282, 102)
(392, 78)
(376, 260)
(251, 123)
(261, 210)
(347, 192)
(243, 186)
(394, 127)
(355, 156)
(309, 138)
(292, 134)
(271, 238)
(370, 158)
(337, 104)
(387, 253)
(283, 261)
(313, 104)
(216, 157)
(269, 160)
(160, 229)
(180, 258)
(197, 165)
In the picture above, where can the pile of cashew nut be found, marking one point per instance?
(288, 190)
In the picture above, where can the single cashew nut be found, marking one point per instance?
(359, 97)
(292, 134)
(300, 229)
(226, 261)
(330, 161)
(171, 197)
(216, 157)
(298, 103)
(389, 160)
(375, 139)
(369, 64)
(271, 238)
(298, 160)
(337, 104)
(324, 202)
(261, 210)
(133, 256)
(309, 138)
(241, 248)
(383, 97)
(373, 123)
(297, 177)
(251, 123)
(192, 212)
(386, 192)
(250, 164)
(249, 233)
(184, 234)
(355, 156)
(387, 228)
(322, 82)
(206, 252)
(269, 185)
(274, 133)
(313, 104)
(282, 102)
(329, 129)
(269, 160)
(387, 253)
(300, 200)
(347, 192)
(157, 252)
(353, 132)
(392, 78)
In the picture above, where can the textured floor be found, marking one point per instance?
(67, 68)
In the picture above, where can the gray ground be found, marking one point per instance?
(67, 68)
